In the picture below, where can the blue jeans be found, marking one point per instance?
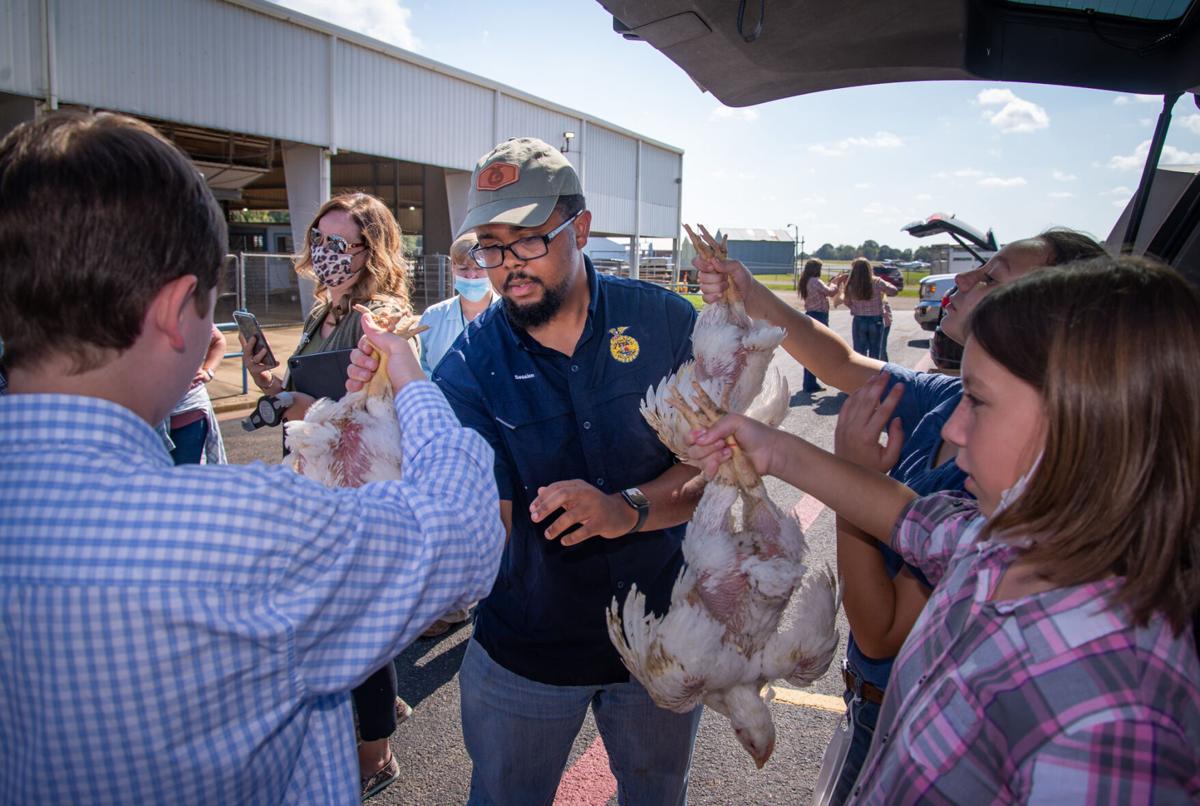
(867, 332)
(189, 442)
(810, 381)
(519, 733)
(864, 716)
(883, 356)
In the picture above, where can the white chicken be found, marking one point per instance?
(719, 643)
(355, 440)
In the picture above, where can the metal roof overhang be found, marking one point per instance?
(815, 45)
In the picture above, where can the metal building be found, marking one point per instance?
(764, 251)
(280, 110)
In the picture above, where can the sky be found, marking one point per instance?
(842, 166)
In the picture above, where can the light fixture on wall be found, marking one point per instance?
(567, 138)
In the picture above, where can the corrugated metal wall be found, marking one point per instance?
(237, 65)
(764, 257)
(22, 47)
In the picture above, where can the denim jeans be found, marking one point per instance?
(863, 716)
(519, 733)
(867, 332)
(883, 340)
(189, 442)
(810, 380)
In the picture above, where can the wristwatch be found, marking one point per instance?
(634, 497)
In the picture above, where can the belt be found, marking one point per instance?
(868, 691)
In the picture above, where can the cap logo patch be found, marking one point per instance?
(497, 175)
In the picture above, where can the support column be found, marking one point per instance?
(306, 173)
(15, 110)
(436, 229)
(457, 185)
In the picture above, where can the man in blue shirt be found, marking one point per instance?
(553, 378)
(186, 634)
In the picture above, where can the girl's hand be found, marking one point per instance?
(862, 419)
(260, 373)
(716, 275)
(756, 441)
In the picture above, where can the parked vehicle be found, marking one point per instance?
(932, 294)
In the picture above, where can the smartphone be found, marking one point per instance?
(252, 332)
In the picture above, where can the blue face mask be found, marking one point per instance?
(473, 289)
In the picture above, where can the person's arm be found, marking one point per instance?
(601, 514)
(886, 287)
(212, 358)
(823, 352)
(426, 319)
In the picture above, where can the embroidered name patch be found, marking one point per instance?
(623, 348)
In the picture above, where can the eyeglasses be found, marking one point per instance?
(336, 243)
(529, 248)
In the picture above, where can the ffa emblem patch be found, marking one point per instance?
(497, 175)
(623, 348)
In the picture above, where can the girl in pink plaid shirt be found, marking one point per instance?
(1056, 659)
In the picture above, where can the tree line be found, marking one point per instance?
(871, 250)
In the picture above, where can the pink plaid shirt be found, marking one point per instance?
(1051, 698)
(874, 305)
(818, 295)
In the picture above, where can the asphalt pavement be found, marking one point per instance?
(435, 767)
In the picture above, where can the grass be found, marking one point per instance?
(783, 282)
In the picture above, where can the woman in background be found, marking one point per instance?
(816, 296)
(864, 297)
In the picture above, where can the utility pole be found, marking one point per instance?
(795, 261)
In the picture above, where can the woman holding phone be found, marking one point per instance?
(355, 255)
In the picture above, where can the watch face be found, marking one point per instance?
(635, 498)
(265, 410)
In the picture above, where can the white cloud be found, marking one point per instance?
(1120, 204)
(1170, 156)
(1002, 182)
(1190, 122)
(1146, 122)
(967, 173)
(380, 19)
(842, 147)
(1016, 115)
(1122, 100)
(1062, 194)
(729, 113)
(1119, 190)
(1063, 176)
(923, 197)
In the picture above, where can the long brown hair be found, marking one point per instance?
(811, 269)
(1113, 347)
(861, 284)
(387, 272)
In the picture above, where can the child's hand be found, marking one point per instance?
(861, 421)
(708, 448)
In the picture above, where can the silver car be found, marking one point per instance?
(929, 305)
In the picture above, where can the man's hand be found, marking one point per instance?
(398, 352)
(862, 420)
(756, 441)
(597, 513)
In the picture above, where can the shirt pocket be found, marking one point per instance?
(941, 737)
(540, 434)
(634, 451)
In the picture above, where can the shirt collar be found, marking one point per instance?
(67, 422)
(519, 338)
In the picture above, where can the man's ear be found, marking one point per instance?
(169, 307)
(582, 227)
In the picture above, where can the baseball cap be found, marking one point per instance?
(518, 183)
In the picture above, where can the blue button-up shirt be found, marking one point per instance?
(551, 417)
(190, 634)
(445, 321)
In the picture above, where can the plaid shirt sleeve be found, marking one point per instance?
(931, 530)
(1120, 760)
(380, 565)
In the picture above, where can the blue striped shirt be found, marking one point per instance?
(190, 634)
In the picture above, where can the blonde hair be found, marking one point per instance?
(387, 272)
(461, 248)
(1113, 347)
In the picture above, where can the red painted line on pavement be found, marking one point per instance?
(807, 510)
(589, 781)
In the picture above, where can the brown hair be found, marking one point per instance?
(1113, 347)
(387, 272)
(97, 214)
(812, 268)
(861, 284)
(1068, 246)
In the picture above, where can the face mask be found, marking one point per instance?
(331, 268)
(473, 289)
(1014, 492)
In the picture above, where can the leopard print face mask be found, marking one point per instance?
(331, 268)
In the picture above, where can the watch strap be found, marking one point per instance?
(637, 500)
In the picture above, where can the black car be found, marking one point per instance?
(890, 273)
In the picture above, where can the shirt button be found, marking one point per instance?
(587, 424)
(620, 585)
(574, 367)
(599, 482)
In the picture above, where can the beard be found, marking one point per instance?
(535, 314)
